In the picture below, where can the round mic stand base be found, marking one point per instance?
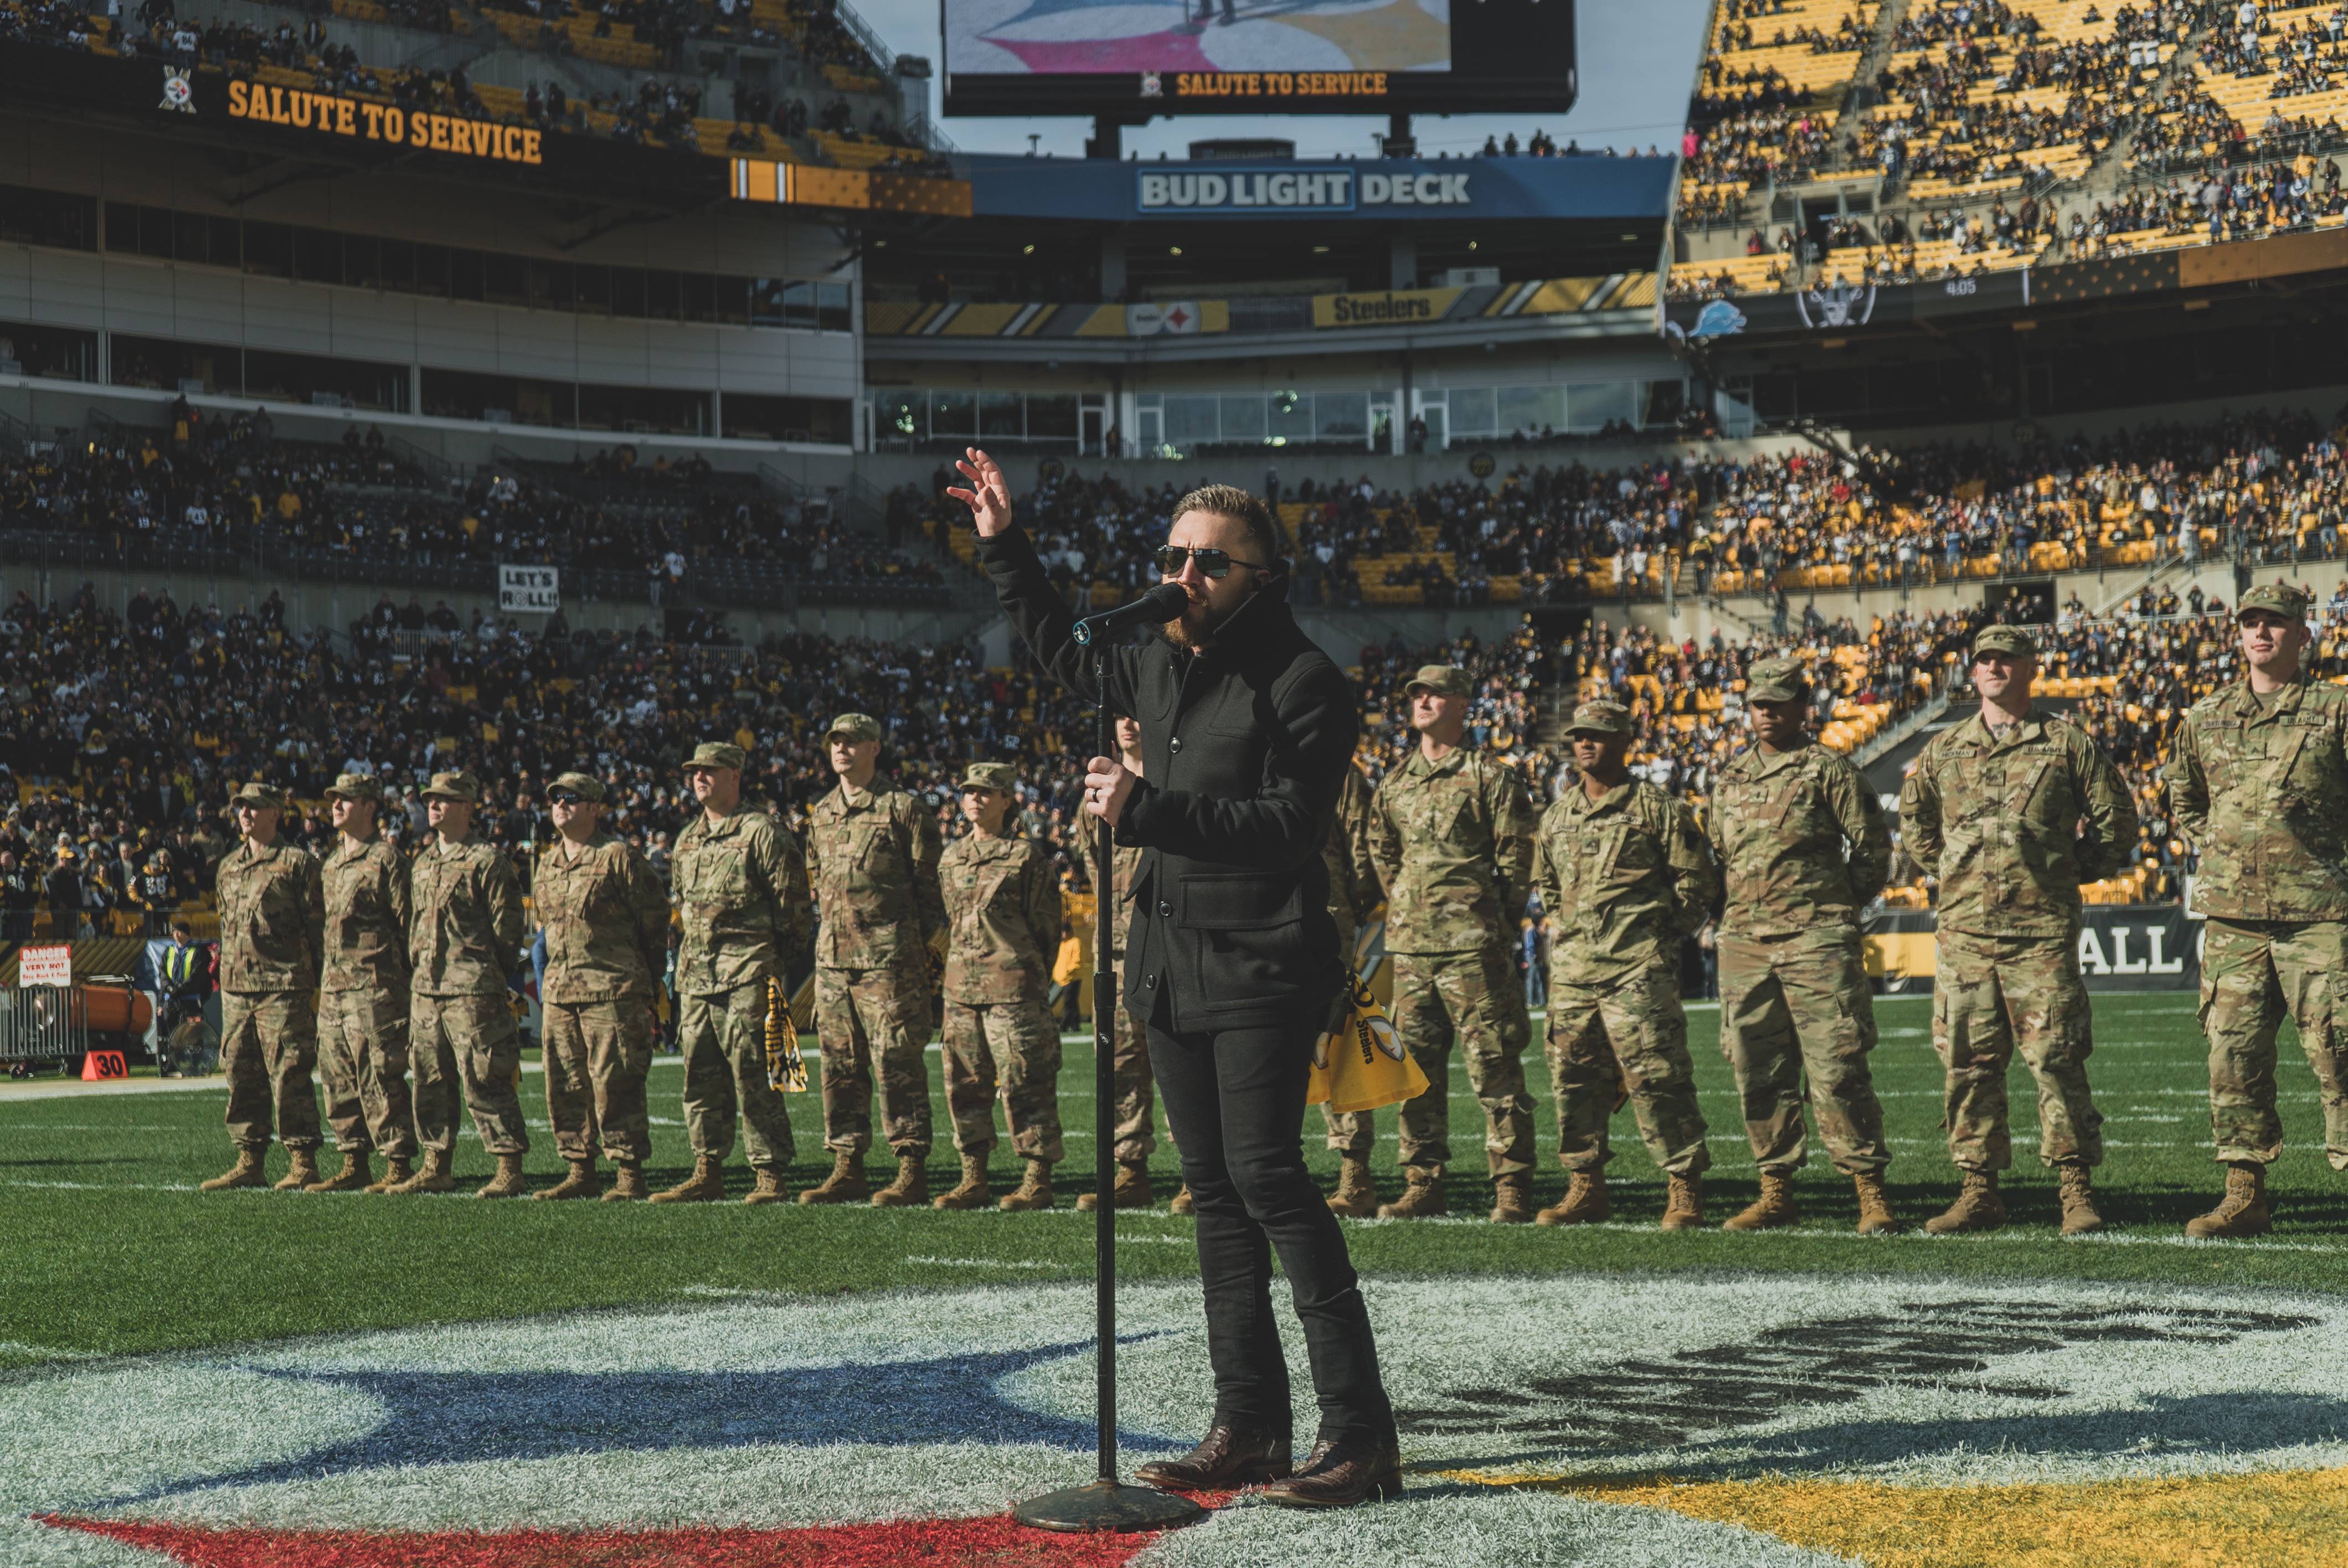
(1106, 1505)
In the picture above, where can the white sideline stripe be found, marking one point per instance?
(45, 1352)
(2099, 1238)
(113, 1187)
(987, 1263)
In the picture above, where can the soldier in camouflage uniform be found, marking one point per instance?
(1130, 1058)
(2012, 810)
(1624, 877)
(605, 918)
(1452, 833)
(271, 912)
(363, 1001)
(2258, 774)
(741, 890)
(1803, 849)
(1353, 895)
(1003, 908)
(873, 854)
(464, 939)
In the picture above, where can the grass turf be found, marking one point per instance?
(112, 1251)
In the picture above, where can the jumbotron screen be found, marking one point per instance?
(1261, 56)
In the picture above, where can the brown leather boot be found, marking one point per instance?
(396, 1171)
(1034, 1191)
(1875, 1215)
(1978, 1207)
(1227, 1457)
(1584, 1202)
(433, 1177)
(1182, 1202)
(245, 1172)
(1357, 1197)
(706, 1185)
(1422, 1199)
(1341, 1472)
(1513, 1196)
(1683, 1205)
(974, 1193)
(845, 1184)
(2079, 1215)
(1773, 1208)
(301, 1170)
(508, 1182)
(627, 1184)
(357, 1172)
(1131, 1191)
(910, 1189)
(581, 1182)
(769, 1188)
(2242, 1213)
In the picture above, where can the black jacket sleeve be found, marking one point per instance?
(1045, 622)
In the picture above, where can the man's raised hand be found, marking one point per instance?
(988, 495)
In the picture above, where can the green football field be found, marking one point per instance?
(110, 1250)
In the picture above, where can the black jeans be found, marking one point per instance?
(1235, 1100)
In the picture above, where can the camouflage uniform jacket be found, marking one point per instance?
(605, 915)
(272, 911)
(1998, 823)
(741, 892)
(366, 918)
(1125, 862)
(1003, 900)
(1454, 846)
(1354, 890)
(2261, 791)
(1781, 826)
(873, 856)
(468, 920)
(1622, 878)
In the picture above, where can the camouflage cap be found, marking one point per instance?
(2286, 600)
(1600, 717)
(2011, 640)
(457, 785)
(991, 775)
(855, 726)
(356, 786)
(1443, 680)
(586, 786)
(260, 795)
(716, 754)
(1776, 681)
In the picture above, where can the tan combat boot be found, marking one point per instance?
(357, 1172)
(1683, 1205)
(396, 1170)
(1131, 1192)
(1182, 1202)
(1357, 1197)
(245, 1172)
(1513, 1199)
(1978, 1207)
(844, 1185)
(627, 1184)
(1584, 1202)
(301, 1170)
(2243, 1212)
(1034, 1191)
(706, 1185)
(1875, 1216)
(1423, 1197)
(507, 1181)
(1773, 1208)
(2079, 1215)
(910, 1189)
(581, 1182)
(974, 1193)
(769, 1188)
(435, 1177)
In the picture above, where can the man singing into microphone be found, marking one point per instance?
(1246, 730)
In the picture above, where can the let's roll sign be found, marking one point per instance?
(366, 121)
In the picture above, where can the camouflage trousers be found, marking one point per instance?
(1795, 1007)
(597, 1054)
(362, 1057)
(269, 1043)
(468, 1044)
(1018, 1045)
(1992, 995)
(2252, 973)
(1479, 1000)
(723, 1038)
(1136, 1108)
(866, 1017)
(1604, 1040)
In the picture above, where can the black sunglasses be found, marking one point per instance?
(1212, 563)
(565, 796)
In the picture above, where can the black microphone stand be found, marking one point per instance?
(1107, 1502)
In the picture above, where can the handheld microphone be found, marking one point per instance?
(1159, 605)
